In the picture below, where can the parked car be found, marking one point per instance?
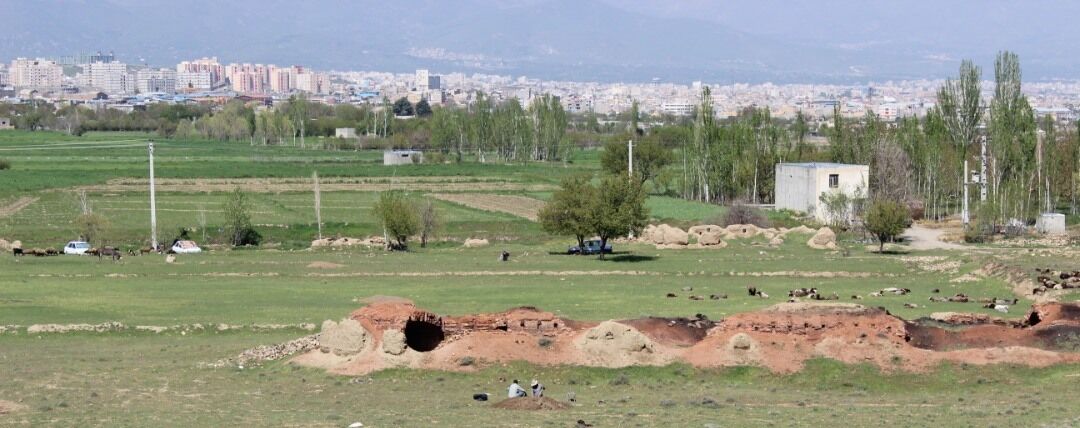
(592, 246)
(185, 247)
(78, 248)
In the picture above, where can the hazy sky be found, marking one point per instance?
(609, 40)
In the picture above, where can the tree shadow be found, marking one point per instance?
(628, 258)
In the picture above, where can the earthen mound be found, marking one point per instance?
(529, 403)
(780, 338)
(12, 407)
(474, 243)
(324, 265)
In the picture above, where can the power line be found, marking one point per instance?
(75, 143)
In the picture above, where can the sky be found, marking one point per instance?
(834, 41)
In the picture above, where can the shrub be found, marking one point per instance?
(5, 164)
(466, 361)
(545, 342)
(740, 213)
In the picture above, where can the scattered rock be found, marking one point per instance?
(393, 342)
(824, 239)
(345, 338)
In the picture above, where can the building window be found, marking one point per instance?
(834, 181)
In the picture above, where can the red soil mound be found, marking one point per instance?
(780, 338)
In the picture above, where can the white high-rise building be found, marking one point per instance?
(156, 80)
(110, 77)
(36, 73)
(422, 80)
(190, 81)
(316, 83)
(209, 65)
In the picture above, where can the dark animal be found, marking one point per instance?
(51, 252)
(581, 424)
(717, 296)
(37, 252)
(110, 252)
(146, 250)
(504, 256)
(670, 295)
(132, 253)
(753, 291)
(93, 252)
(696, 298)
(480, 397)
(17, 252)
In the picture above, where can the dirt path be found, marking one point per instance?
(16, 206)
(520, 206)
(922, 238)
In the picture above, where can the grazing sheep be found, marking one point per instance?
(911, 306)
(110, 252)
(717, 296)
(896, 291)
(670, 295)
(939, 299)
(856, 297)
(935, 291)
(753, 291)
(16, 252)
(696, 298)
(875, 294)
(802, 292)
(762, 295)
(959, 298)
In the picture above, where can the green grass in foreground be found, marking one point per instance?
(249, 286)
(142, 380)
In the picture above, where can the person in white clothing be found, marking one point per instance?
(515, 390)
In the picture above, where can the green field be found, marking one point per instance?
(132, 378)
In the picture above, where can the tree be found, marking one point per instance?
(423, 109)
(398, 218)
(649, 158)
(618, 209)
(885, 219)
(430, 221)
(567, 213)
(91, 226)
(402, 107)
(238, 220)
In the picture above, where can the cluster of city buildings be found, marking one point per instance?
(100, 77)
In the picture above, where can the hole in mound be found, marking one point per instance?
(423, 336)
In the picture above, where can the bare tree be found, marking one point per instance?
(892, 173)
(200, 217)
(429, 221)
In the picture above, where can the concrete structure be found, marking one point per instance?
(799, 186)
(159, 80)
(346, 133)
(193, 81)
(36, 73)
(402, 157)
(5, 123)
(110, 77)
(207, 65)
(1051, 224)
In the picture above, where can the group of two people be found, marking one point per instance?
(516, 391)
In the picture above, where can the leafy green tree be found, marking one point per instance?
(423, 109)
(402, 107)
(618, 209)
(398, 217)
(567, 213)
(886, 219)
(238, 225)
(649, 158)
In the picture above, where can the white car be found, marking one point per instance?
(77, 248)
(185, 247)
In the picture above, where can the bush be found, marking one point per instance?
(740, 213)
(466, 361)
(545, 342)
(5, 164)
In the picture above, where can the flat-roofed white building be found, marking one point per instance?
(799, 186)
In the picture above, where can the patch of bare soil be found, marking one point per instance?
(16, 206)
(7, 407)
(529, 403)
(279, 185)
(324, 265)
(520, 206)
(781, 338)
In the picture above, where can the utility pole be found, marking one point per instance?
(965, 216)
(153, 201)
(318, 201)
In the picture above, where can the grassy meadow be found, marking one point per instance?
(130, 378)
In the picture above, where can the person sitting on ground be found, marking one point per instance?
(537, 389)
(515, 390)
